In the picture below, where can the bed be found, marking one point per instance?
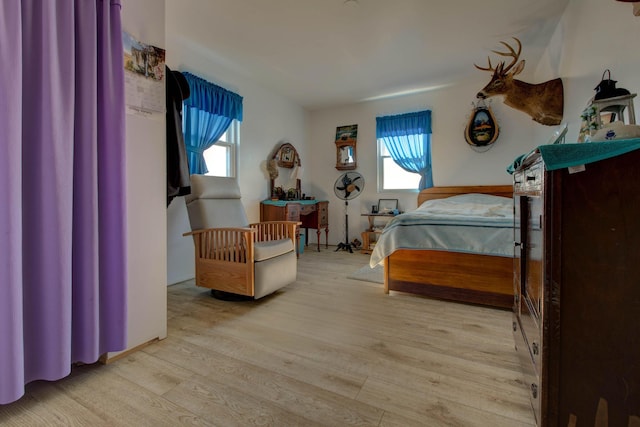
(471, 275)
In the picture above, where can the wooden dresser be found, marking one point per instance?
(577, 290)
(311, 213)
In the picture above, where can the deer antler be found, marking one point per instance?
(511, 53)
(515, 55)
(490, 68)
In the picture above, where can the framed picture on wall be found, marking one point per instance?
(347, 133)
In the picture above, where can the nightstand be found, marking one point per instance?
(369, 236)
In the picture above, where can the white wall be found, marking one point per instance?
(593, 35)
(268, 120)
(146, 200)
(454, 161)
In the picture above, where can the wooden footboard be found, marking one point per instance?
(472, 278)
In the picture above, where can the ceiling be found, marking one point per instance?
(324, 53)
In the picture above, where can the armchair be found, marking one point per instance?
(232, 255)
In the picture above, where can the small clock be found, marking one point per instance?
(286, 156)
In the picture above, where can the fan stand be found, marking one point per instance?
(345, 246)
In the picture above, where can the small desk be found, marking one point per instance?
(311, 213)
(372, 230)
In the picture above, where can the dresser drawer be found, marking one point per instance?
(533, 177)
(531, 335)
(530, 179)
(529, 372)
(518, 182)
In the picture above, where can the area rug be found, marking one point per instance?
(369, 274)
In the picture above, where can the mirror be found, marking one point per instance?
(284, 169)
(346, 155)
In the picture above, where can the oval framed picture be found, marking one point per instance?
(482, 128)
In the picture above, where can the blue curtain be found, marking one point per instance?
(408, 140)
(208, 113)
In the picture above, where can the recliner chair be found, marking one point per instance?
(231, 255)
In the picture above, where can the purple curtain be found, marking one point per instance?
(62, 216)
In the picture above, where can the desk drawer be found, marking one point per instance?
(323, 214)
(307, 209)
(293, 212)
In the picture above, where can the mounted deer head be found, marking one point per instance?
(544, 102)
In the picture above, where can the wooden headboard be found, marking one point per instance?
(442, 192)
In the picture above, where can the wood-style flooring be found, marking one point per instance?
(324, 351)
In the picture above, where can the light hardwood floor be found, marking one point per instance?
(324, 351)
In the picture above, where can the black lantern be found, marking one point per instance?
(607, 88)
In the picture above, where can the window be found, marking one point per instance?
(391, 177)
(210, 113)
(221, 158)
(404, 151)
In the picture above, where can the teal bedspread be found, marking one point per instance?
(559, 156)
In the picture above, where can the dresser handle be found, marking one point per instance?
(534, 391)
(535, 348)
(515, 326)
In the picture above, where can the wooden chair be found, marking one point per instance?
(231, 255)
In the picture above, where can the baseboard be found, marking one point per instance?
(105, 359)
